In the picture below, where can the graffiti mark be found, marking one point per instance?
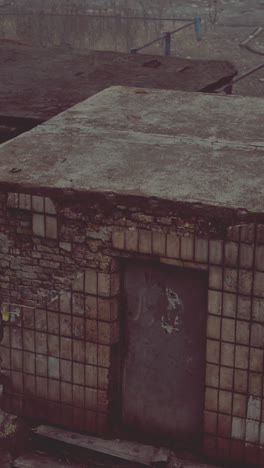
(158, 303)
(171, 321)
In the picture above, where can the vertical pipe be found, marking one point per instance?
(198, 28)
(167, 43)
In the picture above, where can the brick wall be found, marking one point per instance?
(60, 297)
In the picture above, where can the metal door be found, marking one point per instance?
(164, 351)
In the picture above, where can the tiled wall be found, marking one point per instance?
(59, 347)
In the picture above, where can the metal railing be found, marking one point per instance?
(228, 86)
(166, 36)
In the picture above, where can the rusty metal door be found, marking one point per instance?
(164, 351)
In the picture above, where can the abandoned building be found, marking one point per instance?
(132, 257)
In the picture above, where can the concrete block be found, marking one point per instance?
(254, 408)
(108, 309)
(65, 246)
(65, 302)
(238, 428)
(245, 279)
(53, 367)
(91, 376)
(229, 304)
(78, 282)
(104, 355)
(91, 282)
(233, 233)
(91, 330)
(211, 398)
(214, 302)
(212, 375)
(246, 255)
(239, 405)
(230, 279)
(242, 332)
(145, 242)
(158, 243)
(201, 250)
(231, 254)
(78, 329)
(66, 392)
(227, 354)
(258, 284)
(252, 431)
(248, 233)
(256, 359)
(257, 335)
(53, 345)
(37, 204)
(226, 378)
(12, 200)
(78, 373)
(213, 327)
(92, 353)
(216, 252)
(49, 206)
(38, 221)
(25, 201)
(244, 307)
(240, 381)
(259, 262)
(91, 395)
(51, 227)
(131, 240)
(213, 351)
(173, 246)
(91, 307)
(241, 357)
(215, 277)
(187, 248)
(118, 238)
(228, 330)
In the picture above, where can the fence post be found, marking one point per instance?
(133, 50)
(198, 28)
(167, 43)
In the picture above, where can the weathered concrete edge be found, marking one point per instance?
(109, 201)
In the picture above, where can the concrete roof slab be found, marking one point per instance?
(40, 83)
(170, 145)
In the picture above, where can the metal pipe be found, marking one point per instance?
(198, 28)
(150, 43)
(167, 43)
(249, 72)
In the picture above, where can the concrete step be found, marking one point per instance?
(32, 460)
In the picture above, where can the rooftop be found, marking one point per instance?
(197, 149)
(40, 83)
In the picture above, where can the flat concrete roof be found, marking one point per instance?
(40, 83)
(192, 148)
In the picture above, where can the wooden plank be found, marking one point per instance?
(32, 460)
(125, 450)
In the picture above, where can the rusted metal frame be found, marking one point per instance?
(166, 37)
